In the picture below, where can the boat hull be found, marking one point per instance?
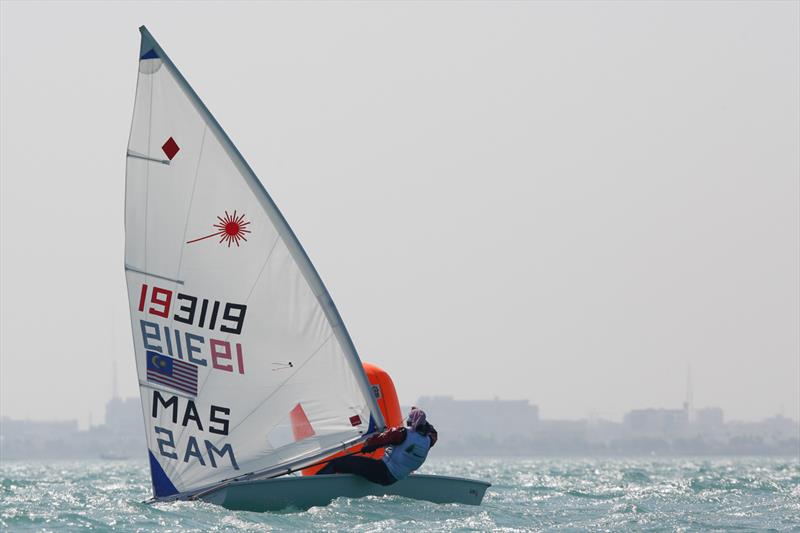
(312, 491)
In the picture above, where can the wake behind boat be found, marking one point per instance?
(246, 370)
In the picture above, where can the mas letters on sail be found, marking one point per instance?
(184, 337)
(204, 451)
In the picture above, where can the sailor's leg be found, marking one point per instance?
(337, 466)
(328, 469)
(372, 469)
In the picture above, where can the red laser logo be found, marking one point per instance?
(230, 229)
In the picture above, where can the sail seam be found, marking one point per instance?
(174, 393)
(145, 273)
(147, 171)
(191, 202)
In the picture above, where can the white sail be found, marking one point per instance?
(244, 364)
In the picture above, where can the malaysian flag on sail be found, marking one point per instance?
(172, 373)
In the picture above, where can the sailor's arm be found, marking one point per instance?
(389, 437)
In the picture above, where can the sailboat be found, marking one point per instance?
(246, 371)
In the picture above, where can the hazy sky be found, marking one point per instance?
(566, 202)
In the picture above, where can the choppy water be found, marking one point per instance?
(527, 495)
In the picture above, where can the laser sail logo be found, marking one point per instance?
(230, 229)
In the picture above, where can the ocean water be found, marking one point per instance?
(650, 494)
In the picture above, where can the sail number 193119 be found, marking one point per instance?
(192, 310)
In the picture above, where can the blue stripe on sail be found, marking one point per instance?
(162, 486)
(150, 54)
(372, 426)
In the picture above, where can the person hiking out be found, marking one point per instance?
(406, 450)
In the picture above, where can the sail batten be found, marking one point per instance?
(232, 325)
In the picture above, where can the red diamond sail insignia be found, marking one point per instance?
(170, 148)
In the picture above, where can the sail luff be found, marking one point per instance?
(297, 251)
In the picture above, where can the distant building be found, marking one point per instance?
(777, 429)
(124, 416)
(32, 428)
(29, 438)
(562, 432)
(709, 418)
(657, 422)
(121, 437)
(480, 418)
(603, 431)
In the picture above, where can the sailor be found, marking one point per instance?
(407, 448)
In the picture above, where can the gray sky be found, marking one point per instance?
(567, 203)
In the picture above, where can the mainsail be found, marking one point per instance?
(244, 363)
